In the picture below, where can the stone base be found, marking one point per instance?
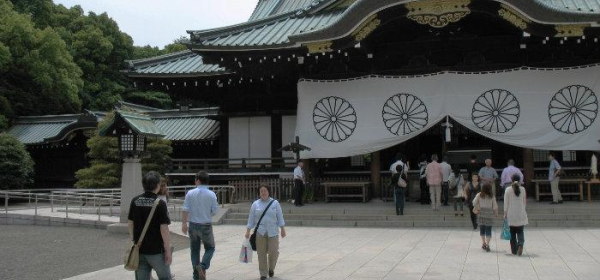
(118, 228)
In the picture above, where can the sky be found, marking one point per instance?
(159, 22)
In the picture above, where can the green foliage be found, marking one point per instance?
(16, 165)
(159, 150)
(99, 175)
(39, 74)
(3, 123)
(154, 99)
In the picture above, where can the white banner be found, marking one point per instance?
(548, 109)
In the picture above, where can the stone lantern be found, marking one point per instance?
(132, 130)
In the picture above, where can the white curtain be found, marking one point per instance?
(549, 109)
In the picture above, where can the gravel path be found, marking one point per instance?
(50, 252)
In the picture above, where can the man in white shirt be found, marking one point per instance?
(299, 181)
(446, 171)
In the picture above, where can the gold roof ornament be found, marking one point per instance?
(512, 16)
(438, 13)
(365, 28)
(570, 30)
(319, 47)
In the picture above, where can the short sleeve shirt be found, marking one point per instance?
(139, 209)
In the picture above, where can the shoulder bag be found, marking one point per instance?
(253, 236)
(401, 182)
(132, 255)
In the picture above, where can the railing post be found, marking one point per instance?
(110, 201)
(99, 208)
(66, 206)
(52, 202)
(80, 205)
(6, 203)
(36, 200)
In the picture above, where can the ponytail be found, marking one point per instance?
(516, 188)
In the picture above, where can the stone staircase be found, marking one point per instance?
(382, 214)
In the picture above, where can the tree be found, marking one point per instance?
(37, 72)
(154, 99)
(16, 165)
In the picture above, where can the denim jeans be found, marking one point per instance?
(517, 238)
(459, 202)
(485, 230)
(445, 192)
(156, 262)
(399, 195)
(201, 234)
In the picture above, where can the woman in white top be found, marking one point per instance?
(267, 237)
(515, 200)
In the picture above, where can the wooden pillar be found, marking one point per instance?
(376, 173)
(528, 168)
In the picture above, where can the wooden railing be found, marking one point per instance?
(231, 163)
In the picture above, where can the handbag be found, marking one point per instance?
(132, 255)
(253, 236)
(505, 230)
(401, 182)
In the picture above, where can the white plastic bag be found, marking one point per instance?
(246, 252)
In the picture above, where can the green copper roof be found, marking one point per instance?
(179, 64)
(273, 32)
(268, 28)
(577, 6)
(33, 130)
(266, 8)
(141, 123)
(188, 128)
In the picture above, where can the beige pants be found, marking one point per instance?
(267, 245)
(435, 193)
(556, 196)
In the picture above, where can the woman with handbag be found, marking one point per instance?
(399, 182)
(472, 188)
(457, 184)
(266, 217)
(486, 208)
(515, 200)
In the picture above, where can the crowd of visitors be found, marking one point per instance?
(149, 216)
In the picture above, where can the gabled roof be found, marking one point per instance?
(140, 123)
(46, 129)
(178, 64)
(271, 30)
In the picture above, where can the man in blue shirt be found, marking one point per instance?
(199, 206)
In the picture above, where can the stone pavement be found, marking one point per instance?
(365, 253)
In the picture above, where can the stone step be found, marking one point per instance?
(408, 211)
(422, 223)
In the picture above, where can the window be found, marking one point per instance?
(357, 160)
(569, 156)
(540, 155)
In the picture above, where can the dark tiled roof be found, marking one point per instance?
(179, 64)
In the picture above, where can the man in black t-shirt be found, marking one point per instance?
(155, 250)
